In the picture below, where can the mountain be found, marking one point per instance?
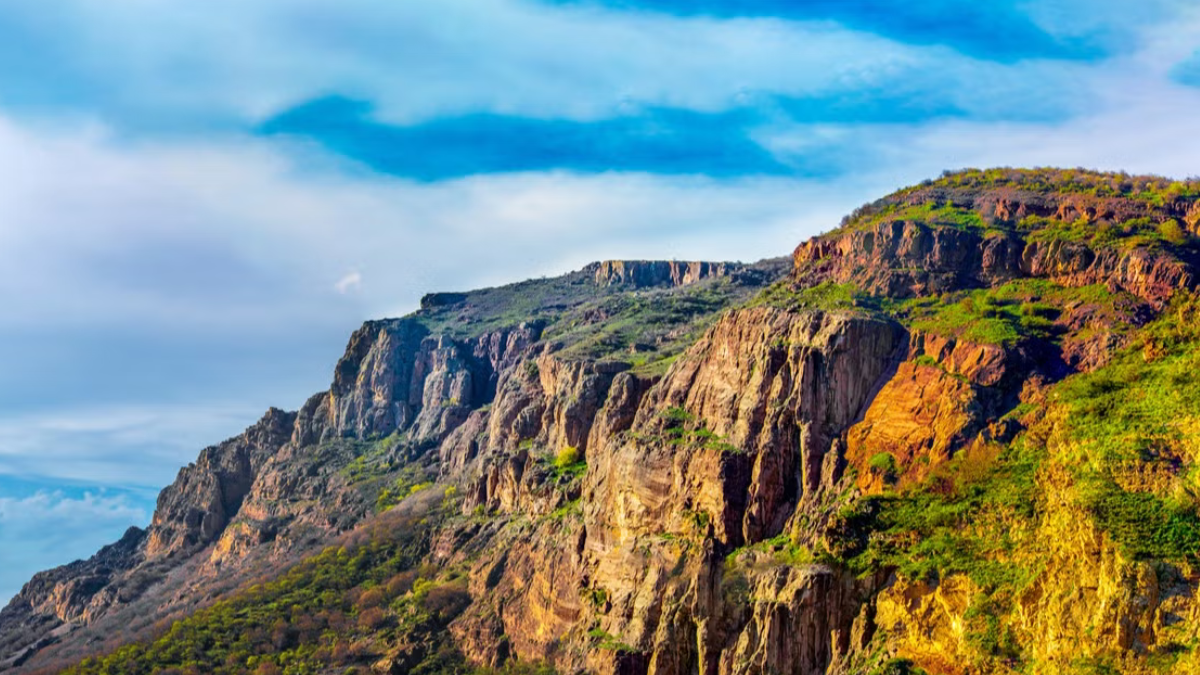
(956, 434)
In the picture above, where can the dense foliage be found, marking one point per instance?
(340, 611)
(1118, 442)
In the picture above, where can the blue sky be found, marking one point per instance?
(200, 201)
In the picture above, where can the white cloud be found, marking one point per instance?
(351, 282)
(33, 512)
(128, 446)
(156, 64)
(230, 236)
(48, 529)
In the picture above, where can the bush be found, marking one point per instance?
(567, 457)
(883, 464)
(569, 463)
(372, 619)
(1143, 525)
(1172, 232)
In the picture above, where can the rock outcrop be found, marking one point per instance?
(649, 273)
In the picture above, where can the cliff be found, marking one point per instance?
(954, 435)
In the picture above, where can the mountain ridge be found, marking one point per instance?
(892, 453)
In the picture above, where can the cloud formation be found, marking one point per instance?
(166, 68)
(999, 29)
(51, 528)
(656, 141)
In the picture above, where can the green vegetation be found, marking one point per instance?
(1144, 525)
(604, 640)
(647, 328)
(1128, 234)
(680, 428)
(1119, 440)
(308, 619)
(783, 550)
(1147, 221)
(410, 480)
(597, 598)
(897, 667)
(339, 611)
(937, 215)
(956, 523)
(569, 462)
(1142, 405)
(1154, 190)
(697, 521)
(1005, 315)
(985, 317)
(883, 464)
(826, 296)
(1136, 417)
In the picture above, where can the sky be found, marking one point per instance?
(199, 202)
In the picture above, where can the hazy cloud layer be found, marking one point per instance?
(37, 531)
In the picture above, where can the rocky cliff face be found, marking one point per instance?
(902, 246)
(646, 273)
(875, 465)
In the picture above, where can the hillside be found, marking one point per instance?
(954, 435)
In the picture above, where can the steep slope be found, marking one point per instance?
(956, 438)
(279, 492)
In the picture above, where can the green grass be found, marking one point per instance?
(648, 327)
(601, 639)
(883, 464)
(978, 317)
(1156, 196)
(1140, 406)
(942, 526)
(826, 296)
(783, 549)
(303, 622)
(1026, 309)
(978, 516)
(645, 327)
(1154, 190)
(936, 215)
(681, 428)
(1144, 525)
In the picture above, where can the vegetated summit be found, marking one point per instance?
(957, 434)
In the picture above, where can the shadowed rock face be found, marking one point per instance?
(194, 510)
(648, 273)
(661, 543)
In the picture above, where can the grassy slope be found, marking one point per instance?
(1106, 431)
(338, 612)
(1155, 195)
(647, 328)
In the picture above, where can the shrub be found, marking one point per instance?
(569, 463)
(883, 464)
(1143, 525)
(567, 457)
(1172, 232)
(445, 602)
(371, 598)
(372, 619)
